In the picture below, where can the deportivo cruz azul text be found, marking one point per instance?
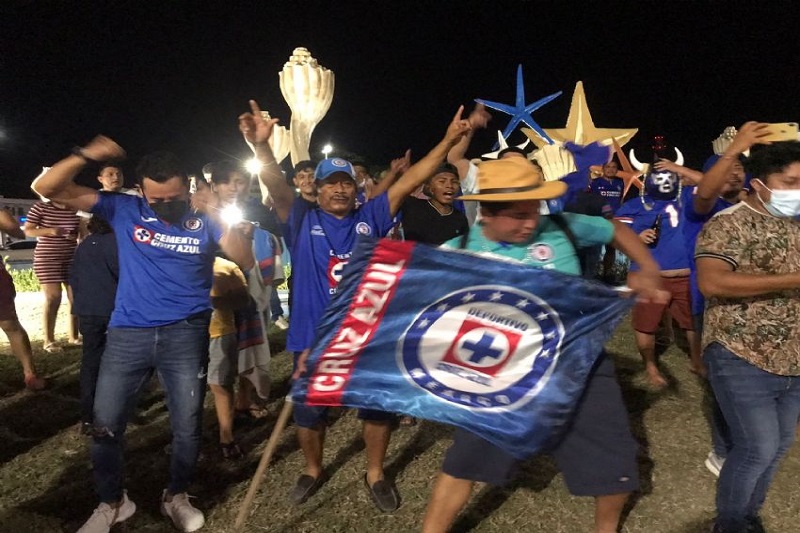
(339, 358)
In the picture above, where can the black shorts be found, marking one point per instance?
(596, 455)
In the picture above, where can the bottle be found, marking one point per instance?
(656, 227)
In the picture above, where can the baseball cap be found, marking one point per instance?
(327, 167)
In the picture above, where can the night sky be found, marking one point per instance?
(175, 75)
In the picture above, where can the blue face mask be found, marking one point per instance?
(784, 203)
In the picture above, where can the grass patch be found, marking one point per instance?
(46, 485)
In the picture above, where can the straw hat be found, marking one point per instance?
(513, 179)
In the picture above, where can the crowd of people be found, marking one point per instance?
(176, 277)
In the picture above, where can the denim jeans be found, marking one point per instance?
(762, 411)
(275, 305)
(178, 353)
(93, 329)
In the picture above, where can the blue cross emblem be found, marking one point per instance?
(482, 349)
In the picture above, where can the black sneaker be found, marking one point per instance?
(384, 494)
(755, 525)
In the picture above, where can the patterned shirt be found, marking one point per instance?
(763, 330)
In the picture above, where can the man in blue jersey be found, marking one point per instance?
(610, 188)
(719, 188)
(320, 239)
(655, 217)
(160, 320)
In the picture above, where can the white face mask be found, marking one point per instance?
(782, 203)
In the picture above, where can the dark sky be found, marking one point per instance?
(174, 75)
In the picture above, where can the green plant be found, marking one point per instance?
(24, 280)
(287, 269)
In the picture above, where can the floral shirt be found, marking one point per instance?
(763, 330)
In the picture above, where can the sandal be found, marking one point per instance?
(230, 451)
(76, 342)
(254, 412)
(53, 348)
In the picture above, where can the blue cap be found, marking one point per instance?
(327, 167)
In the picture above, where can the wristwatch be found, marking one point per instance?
(79, 152)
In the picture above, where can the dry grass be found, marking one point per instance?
(46, 486)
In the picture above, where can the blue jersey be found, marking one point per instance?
(165, 270)
(692, 223)
(320, 246)
(611, 190)
(670, 252)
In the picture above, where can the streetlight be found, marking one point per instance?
(327, 149)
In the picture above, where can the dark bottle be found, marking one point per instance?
(656, 227)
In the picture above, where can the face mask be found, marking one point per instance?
(171, 212)
(782, 203)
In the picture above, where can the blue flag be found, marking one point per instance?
(498, 348)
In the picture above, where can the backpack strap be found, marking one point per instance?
(462, 243)
(558, 220)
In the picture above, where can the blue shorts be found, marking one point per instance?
(596, 455)
(314, 416)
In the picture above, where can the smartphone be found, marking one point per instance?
(782, 131)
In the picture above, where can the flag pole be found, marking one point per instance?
(277, 431)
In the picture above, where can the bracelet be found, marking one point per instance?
(728, 156)
(78, 151)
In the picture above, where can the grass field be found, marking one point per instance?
(46, 486)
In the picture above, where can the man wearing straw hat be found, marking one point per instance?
(597, 454)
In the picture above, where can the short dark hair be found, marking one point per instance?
(98, 225)
(304, 165)
(495, 207)
(105, 164)
(769, 159)
(359, 163)
(221, 171)
(511, 149)
(160, 167)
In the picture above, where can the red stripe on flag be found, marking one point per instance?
(376, 289)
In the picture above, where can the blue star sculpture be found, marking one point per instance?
(520, 112)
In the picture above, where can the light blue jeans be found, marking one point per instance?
(178, 354)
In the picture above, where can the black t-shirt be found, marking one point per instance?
(255, 211)
(423, 223)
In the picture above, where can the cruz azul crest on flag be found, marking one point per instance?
(495, 347)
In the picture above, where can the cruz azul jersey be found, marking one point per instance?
(320, 246)
(691, 223)
(670, 252)
(611, 190)
(165, 270)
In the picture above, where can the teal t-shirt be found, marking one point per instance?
(549, 247)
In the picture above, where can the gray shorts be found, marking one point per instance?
(223, 360)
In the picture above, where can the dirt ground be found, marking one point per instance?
(46, 485)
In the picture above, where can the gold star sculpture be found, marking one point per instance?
(580, 128)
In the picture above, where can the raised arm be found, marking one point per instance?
(693, 176)
(714, 180)
(256, 132)
(422, 169)
(396, 169)
(457, 156)
(58, 183)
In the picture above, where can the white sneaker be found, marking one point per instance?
(106, 516)
(184, 515)
(714, 463)
(282, 323)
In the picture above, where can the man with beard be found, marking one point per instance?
(321, 240)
